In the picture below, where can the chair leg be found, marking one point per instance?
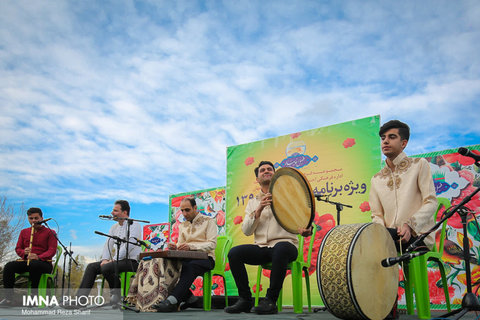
(42, 288)
(420, 278)
(259, 279)
(207, 291)
(307, 286)
(102, 286)
(126, 287)
(226, 293)
(444, 285)
(297, 288)
(408, 290)
(280, 301)
(122, 281)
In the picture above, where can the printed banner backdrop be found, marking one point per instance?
(211, 203)
(455, 177)
(338, 161)
(157, 235)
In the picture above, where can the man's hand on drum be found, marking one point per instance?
(266, 201)
(404, 232)
(305, 232)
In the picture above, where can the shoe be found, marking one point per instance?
(165, 306)
(190, 303)
(242, 305)
(115, 299)
(265, 306)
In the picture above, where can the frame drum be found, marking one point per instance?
(351, 280)
(293, 202)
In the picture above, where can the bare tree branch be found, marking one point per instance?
(11, 222)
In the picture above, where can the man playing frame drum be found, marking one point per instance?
(272, 244)
(402, 194)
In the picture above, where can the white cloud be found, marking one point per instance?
(104, 99)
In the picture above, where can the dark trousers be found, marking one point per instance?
(191, 269)
(280, 256)
(35, 269)
(108, 271)
(393, 233)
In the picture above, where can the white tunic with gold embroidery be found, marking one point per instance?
(266, 230)
(200, 234)
(405, 195)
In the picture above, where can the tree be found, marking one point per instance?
(75, 274)
(11, 223)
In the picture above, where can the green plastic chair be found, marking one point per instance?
(297, 267)
(224, 244)
(416, 274)
(46, 279)
(124, 289)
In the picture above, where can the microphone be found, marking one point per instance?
(143, 243)
(468, 153)
(388, 262)
(112, 218)
(43, 221)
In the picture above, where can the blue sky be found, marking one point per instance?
(103, 100)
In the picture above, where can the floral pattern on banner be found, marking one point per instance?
(210, 203)
(455, 177)
(157, 235)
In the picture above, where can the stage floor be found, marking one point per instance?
(107, 313)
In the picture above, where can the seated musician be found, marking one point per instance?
(127, 261)
(36, 247)
(402, 194)
(162, 284)
(272, 244)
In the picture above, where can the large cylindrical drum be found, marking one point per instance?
(352, 282)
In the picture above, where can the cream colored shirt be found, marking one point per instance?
(405, 195)
(200, 234)
(266, 230)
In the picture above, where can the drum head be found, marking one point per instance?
(292, 200)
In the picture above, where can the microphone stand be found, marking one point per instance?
(129, 223)
(118, 243)
(470, 301)
(338, 205)
(70, 254)
(65, 252)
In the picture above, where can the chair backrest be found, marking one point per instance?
(301, 241)
(442, 202)
(57, 258)
(224, 244)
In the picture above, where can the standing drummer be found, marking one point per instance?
(402, 194)
(272, 244)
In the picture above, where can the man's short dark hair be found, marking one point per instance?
(192, 201)
(403, 128)
(35, 210)
(261, 164)
(124, 205)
